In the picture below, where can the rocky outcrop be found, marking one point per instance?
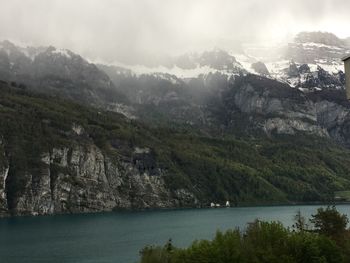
(333, 113)
(220, 60)
(301, 76)
(312, 47)
(292, 70)
(291, 126)
(3, 201)
(324, 38)
(84, 179)
(57, 72)
(321, 79)
(260, 68)
(273, 107)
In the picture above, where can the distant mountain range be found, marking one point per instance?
(317, 53)
(256, 104)
(311, 63)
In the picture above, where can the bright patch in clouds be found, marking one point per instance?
(133, 31)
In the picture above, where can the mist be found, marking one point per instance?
(134, 31)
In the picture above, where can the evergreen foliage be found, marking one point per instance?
(265, 242)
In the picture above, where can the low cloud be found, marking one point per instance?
(133, 31)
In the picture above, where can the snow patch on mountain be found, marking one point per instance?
(62, 52)
(182, 73)
(246, 61)
(312, 45)
(139, 70)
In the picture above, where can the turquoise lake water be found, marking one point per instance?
(117, 237)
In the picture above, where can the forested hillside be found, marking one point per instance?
(58, 156)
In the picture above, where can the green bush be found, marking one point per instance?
(263, 242)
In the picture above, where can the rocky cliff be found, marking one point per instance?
(274, 107)
(49, 163)
(84, 179)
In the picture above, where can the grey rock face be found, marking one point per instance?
(310, 47)
(321, 79)
(304, 68)
(220, 60)
(291, 126)
(291, 117)
(333, 113)
(3, 201)
(83, 179)
(324, 38)
(273, 107)
(293, 70)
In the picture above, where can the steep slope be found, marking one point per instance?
(254, 104)
(57, 72)
(60, 157)
(313, 47)
(193, 65)
(163, 98)
(312, 62)
(251, 104)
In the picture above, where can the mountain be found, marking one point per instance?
(191, 65)
(61, 157)
(312, 61)
(323, 38)
(240, 129)
(57, 72)
(248, 104)
(217, 58)
(166, 99)
(257, 104)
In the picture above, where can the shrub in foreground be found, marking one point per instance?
(268, 242)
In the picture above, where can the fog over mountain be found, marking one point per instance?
(108, 105)
(135, 32)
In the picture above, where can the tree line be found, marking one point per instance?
(324, 238)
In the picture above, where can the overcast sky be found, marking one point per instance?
(133, 30)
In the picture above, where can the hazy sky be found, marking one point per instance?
(133, 30)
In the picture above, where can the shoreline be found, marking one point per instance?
(135, 210)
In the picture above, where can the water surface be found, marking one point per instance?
(117, 237)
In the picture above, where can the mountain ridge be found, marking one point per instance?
(186, 141)
(61, 157)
